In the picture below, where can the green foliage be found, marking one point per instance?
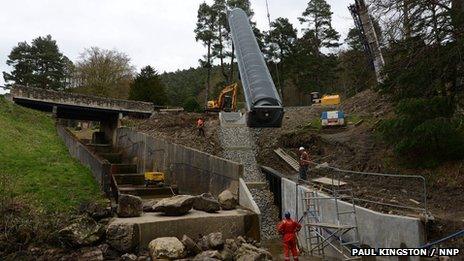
(424, 132)
(191, 105)
(35, 158)
(318, 16)
(148, 87)
(39, 64)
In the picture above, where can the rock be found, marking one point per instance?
(129, 206)
(166, 247)
(84, 231)
(248, 252)
(190, 245)
(206, 202)
(215, 240)
(121, 237)
(143, 258)
(90, 254)
(95, 210)
(227, 254)
(210, 255)
(175, 206)
(128, 257)
(227, 200)
(148, 205)
(231, 244)
(108, 251)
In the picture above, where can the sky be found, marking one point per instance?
(151, 32)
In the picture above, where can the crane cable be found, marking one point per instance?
(276, 67)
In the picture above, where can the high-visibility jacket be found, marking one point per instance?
(200, 123)
(288, 228)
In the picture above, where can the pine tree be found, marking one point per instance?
(280, 42)
(205, 32)
(39, 64)
(318, 17)
(148, 87)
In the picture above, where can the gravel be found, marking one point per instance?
(238, 145)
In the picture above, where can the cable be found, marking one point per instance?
(276, 67)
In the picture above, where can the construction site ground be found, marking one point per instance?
(356, 147)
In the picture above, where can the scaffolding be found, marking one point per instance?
(320, 233)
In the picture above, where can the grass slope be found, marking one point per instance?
(36, 162)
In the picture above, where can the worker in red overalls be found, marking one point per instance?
(288, 229)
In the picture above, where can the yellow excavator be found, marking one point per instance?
(227, 100)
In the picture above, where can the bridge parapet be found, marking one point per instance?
(80, 100)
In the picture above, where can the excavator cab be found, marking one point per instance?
(227, 100)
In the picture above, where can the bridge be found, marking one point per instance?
(68, 105)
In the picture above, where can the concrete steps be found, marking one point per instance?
(124, 168)
(112, 157)
(143, 191)
(101, 148)
(129, 179)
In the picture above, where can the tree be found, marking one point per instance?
(105, 73)
(39, 64)
(280, 42)
(148, 87)
(204, 32)
(319, 21)
(191, 105)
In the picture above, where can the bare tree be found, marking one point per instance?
(104, 72)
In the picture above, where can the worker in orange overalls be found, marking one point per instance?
(288, 229)
(201, 127)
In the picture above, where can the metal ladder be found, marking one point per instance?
(313, 235)
(339, 194)
(319, 235)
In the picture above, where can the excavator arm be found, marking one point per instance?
(225, 102)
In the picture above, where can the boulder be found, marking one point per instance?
(96, 210)
(90, 254)
(248, 252)
(215, 240)
(128, 257)
(121, 236)
(148, 205)
(227, 200)
(190, 245)
(175, 206)
(83, 231)
(209, 255)
(206, 202)
(129, 206)
(166, 247)
(108, 251)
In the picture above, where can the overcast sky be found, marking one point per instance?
(151, 32)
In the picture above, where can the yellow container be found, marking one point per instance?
(154, 176)
(330, 99)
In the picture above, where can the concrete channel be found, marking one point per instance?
(191, 171)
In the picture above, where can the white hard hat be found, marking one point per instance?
(301, 148)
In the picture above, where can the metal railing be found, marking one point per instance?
(395, 186)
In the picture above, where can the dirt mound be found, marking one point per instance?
(180, 128)
(367, 103)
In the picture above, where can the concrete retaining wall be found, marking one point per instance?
(193, 171)
(99, 168)
(376, 229)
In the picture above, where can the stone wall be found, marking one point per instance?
(376, 229)
(75, 99)
(193, 171)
